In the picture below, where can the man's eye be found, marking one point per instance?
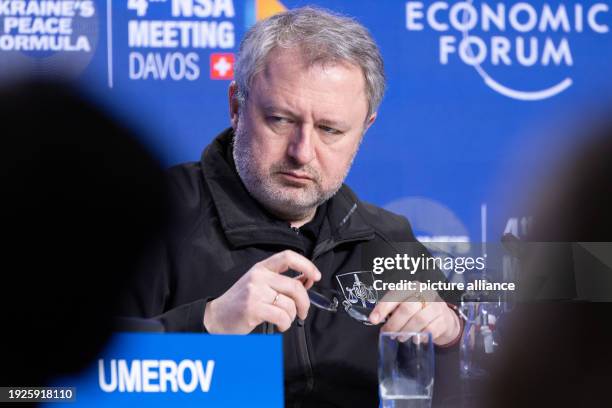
(329, 130)
(278, 119)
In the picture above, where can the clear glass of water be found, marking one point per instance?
(405, 369)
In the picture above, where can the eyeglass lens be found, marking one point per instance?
(322, 302)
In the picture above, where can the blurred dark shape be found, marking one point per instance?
(557, 352)
(82, 199)
(137, 325)
(574, 205)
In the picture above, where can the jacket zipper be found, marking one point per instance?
(303, 346)
(302, 342)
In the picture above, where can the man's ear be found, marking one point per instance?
(370, 121)
(233, 104)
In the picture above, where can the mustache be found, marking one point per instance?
(288, 167)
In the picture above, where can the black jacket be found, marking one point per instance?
(330, 360)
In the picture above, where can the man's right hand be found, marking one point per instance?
(264, 295)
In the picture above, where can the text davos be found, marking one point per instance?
(154, 375)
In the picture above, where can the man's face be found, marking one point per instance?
(298, 132)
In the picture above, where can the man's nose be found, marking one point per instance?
(301, 147)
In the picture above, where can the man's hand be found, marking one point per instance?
(264, 295)
(425, 312)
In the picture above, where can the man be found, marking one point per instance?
(268, 198)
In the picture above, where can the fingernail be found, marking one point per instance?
(374, 317)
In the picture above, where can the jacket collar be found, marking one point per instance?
(246, 223)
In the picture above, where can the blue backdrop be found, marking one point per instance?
(481, 95)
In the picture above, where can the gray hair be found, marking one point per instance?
(322, 37)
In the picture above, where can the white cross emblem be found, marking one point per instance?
(222, 66)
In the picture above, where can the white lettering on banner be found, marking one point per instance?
(482, 38)
(132, 379)
(154, 65)
(519, 227)
(500, 51)
(44, 25)
(183, 34)
(155, 376)
(38, 25)
(45, 8)
(522, 17)
(43, 43)
(150, 373)
(202, 8)
(167, 374)
(186, 31)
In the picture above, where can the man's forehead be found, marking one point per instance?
(302, 60)
(286, 77)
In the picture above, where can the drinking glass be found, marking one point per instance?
(479, 346)
(480, 338)
(406, 369)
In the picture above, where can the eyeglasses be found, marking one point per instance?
(359, 313)
(330, 303)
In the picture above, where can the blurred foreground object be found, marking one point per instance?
(81, 201)
(557, 350)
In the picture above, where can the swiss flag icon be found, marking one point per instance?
(222, 66)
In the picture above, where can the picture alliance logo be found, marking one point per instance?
(499, 39)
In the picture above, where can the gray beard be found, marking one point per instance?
(273, 197)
